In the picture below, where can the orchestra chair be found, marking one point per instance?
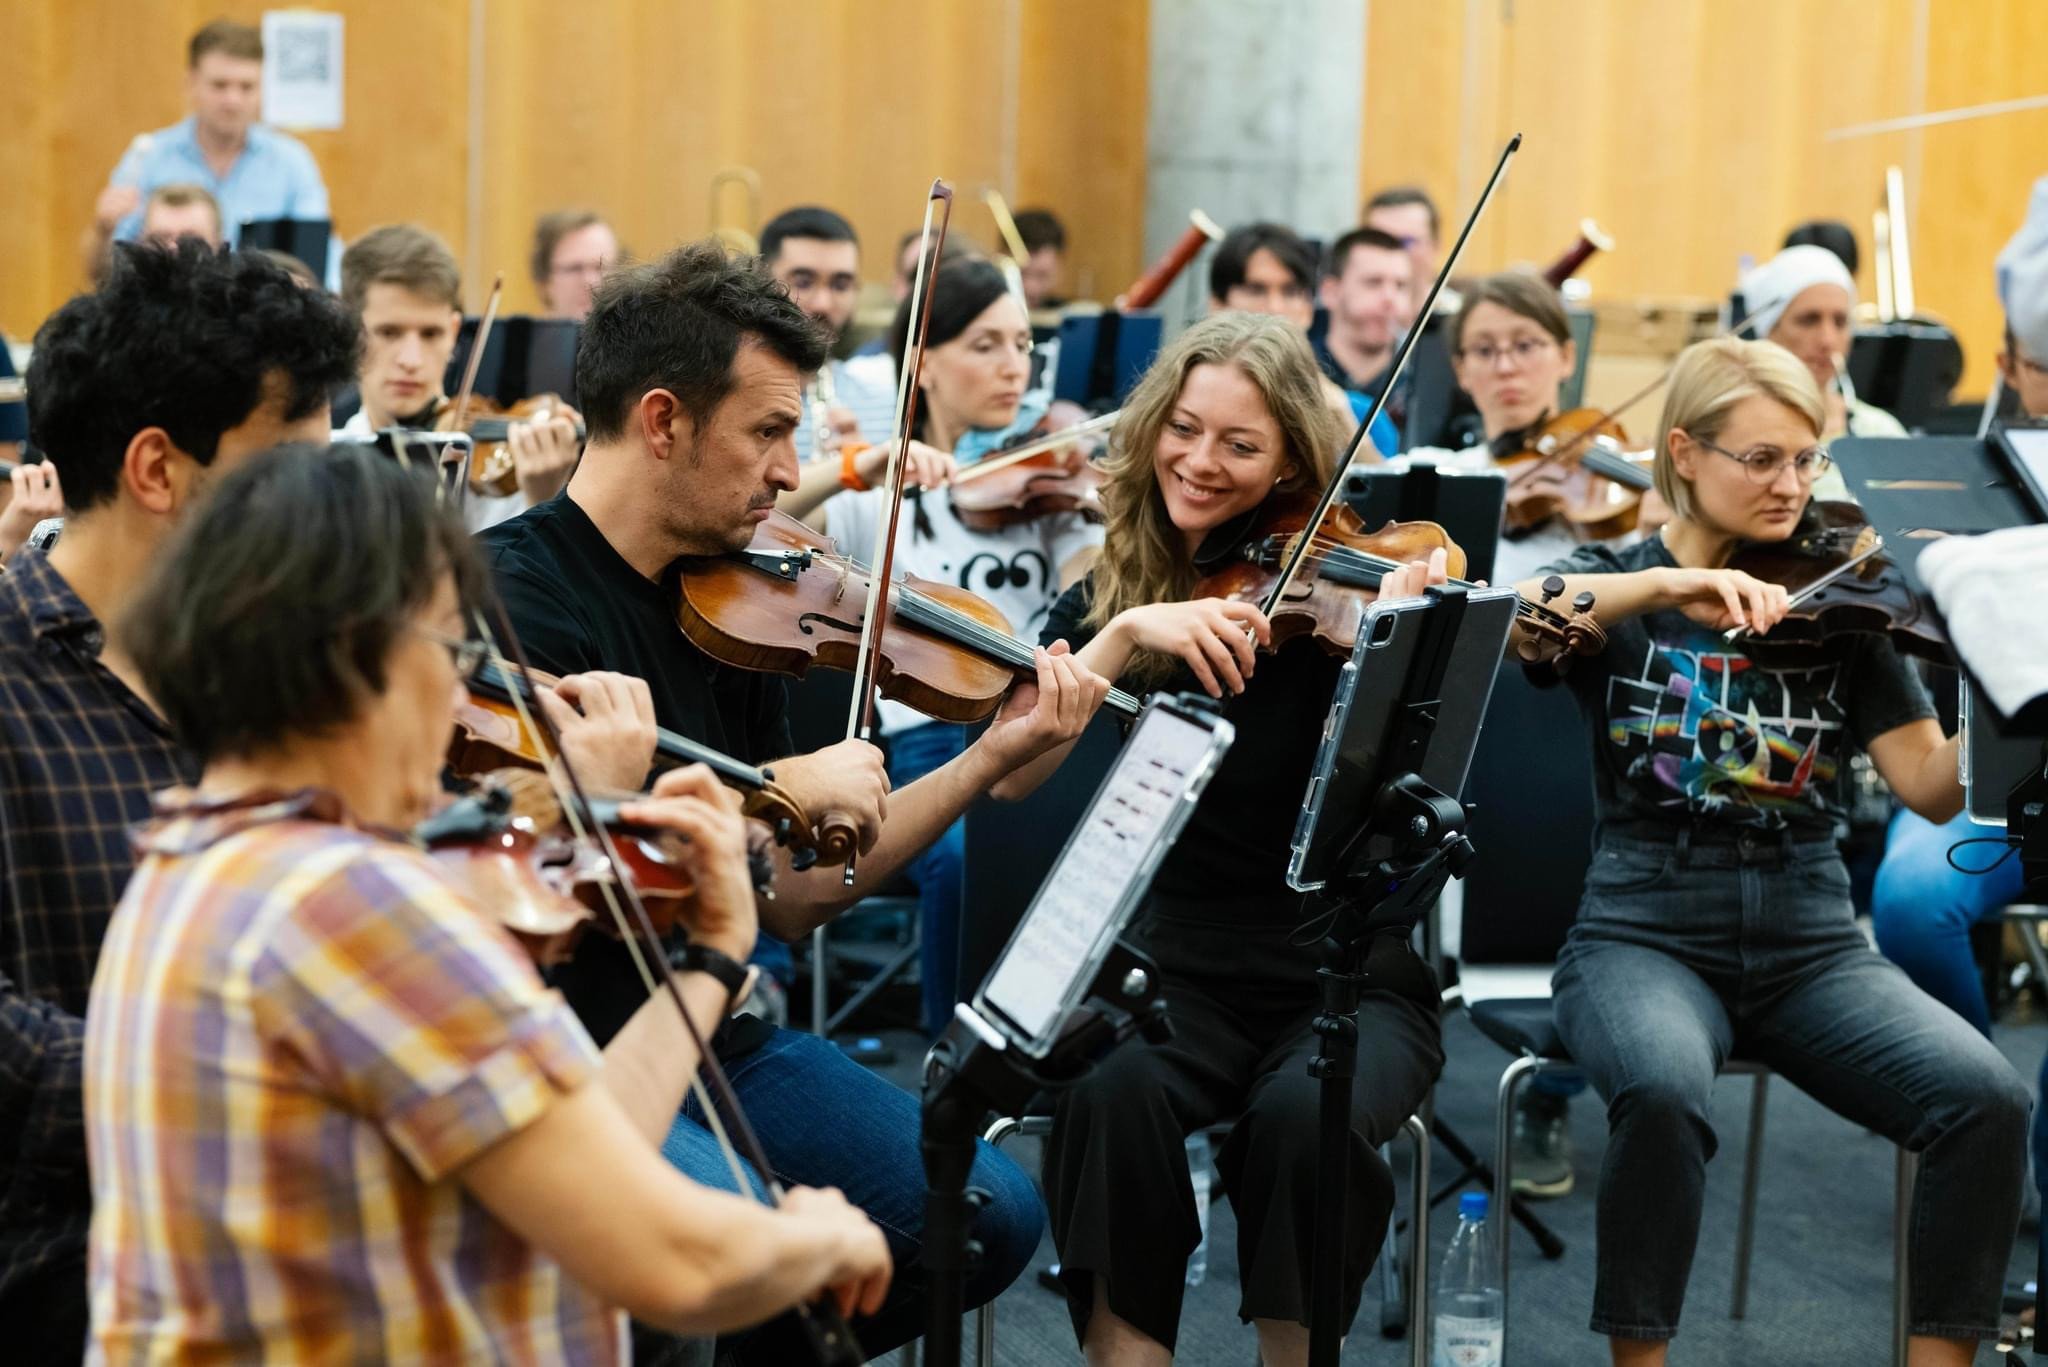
(1534, 839)
(818, 706)
(1011, 848)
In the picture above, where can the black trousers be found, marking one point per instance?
(1241, 999)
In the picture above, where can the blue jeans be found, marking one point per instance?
(826, 1121)
(1686, 954)
(1922, 909)
(936, 872)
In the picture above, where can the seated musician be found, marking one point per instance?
(690, 372)
(1921, 906)
(411, 1149)
(1804, 299)
(1716, 920)
(815, 255)
(1045, 258)
(1407, 214)
(175, 211)
(1230, 413)
(402, 283)
(977, 362)
(1365, 287)
(572, 249)
(1267, 268)
(176, 370)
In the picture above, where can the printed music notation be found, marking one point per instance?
(1074, 914)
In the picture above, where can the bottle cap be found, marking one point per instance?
(1472, 1206)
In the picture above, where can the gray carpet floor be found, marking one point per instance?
(1821, 1283)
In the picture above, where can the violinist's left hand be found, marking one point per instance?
(1042, 714)
(1410, 580)
(606, 722)
(691, 802)
(543, 453)
(37, 495)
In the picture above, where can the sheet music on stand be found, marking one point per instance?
(1103, 873)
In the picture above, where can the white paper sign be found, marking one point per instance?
(301, 69)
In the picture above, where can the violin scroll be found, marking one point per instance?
(1549, 637)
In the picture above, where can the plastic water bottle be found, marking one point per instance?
(1199, 1168)
(1468, 1304)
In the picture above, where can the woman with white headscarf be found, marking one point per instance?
(1803, 299)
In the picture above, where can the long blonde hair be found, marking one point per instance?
(1144, 557)
(1709, 379)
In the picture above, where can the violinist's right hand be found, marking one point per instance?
(926, 467)
(607, 727)
(1725, 599)
(692, 802)
(857, 1260)
(1217, 637)
(847, 778)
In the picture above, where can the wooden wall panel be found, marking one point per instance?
(1692, 129)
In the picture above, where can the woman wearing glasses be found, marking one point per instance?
(1511, 350)
(1716, 920)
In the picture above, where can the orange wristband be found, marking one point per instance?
(849, 474)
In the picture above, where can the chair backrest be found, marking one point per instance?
(1011, 847)
(1531, 794)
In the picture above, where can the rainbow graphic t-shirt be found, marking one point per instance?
(1687, 727)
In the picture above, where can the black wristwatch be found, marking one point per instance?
(697, 958)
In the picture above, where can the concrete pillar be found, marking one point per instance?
(1256, 110)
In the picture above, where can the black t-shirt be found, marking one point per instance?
(1235, 845)
(577, 605)
(1687, 729)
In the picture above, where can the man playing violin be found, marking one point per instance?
(1717, 920)
(403, 284)
(402, 1121)
(690, 369)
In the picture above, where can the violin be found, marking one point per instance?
(1340, 573)
(1576, 468)
(495, 732)
(1032, 480)
(512, 846)
(489, 425)
(790, 601)
(1840, 581)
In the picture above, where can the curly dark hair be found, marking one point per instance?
(274, 609)
(181, 338)
(677, 324)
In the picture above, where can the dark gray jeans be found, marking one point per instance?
(1686, 953)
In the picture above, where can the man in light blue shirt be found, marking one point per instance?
(253, 171)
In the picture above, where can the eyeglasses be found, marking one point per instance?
(466, 655)
(1764, 464)
(1522, 349)
(593, 269)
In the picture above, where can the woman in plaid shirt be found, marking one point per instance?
(333, 1111)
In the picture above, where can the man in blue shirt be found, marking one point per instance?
(253, 172)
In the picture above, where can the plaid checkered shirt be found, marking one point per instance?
(80, 755)
(299, 1032)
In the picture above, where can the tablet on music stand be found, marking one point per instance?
(306, 238)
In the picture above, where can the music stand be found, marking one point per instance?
(1906, 368)
(306, 238)
(525, 356)
(1101, 355)
(1382, 830)
(1066, 989)
(1467, 503)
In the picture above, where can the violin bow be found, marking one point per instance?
(470, 368)
(860, 720)
(831, 1340)
(1299, 553)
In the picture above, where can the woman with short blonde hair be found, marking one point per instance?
(1716, 920)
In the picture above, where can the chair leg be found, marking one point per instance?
(1902, 1265)
(819, 1010)
(1745, 1220)
(1395, 1315)
(1504, 1172)
(1418, 1247)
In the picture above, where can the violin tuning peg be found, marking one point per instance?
(1584, 602)
(1552, 587)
